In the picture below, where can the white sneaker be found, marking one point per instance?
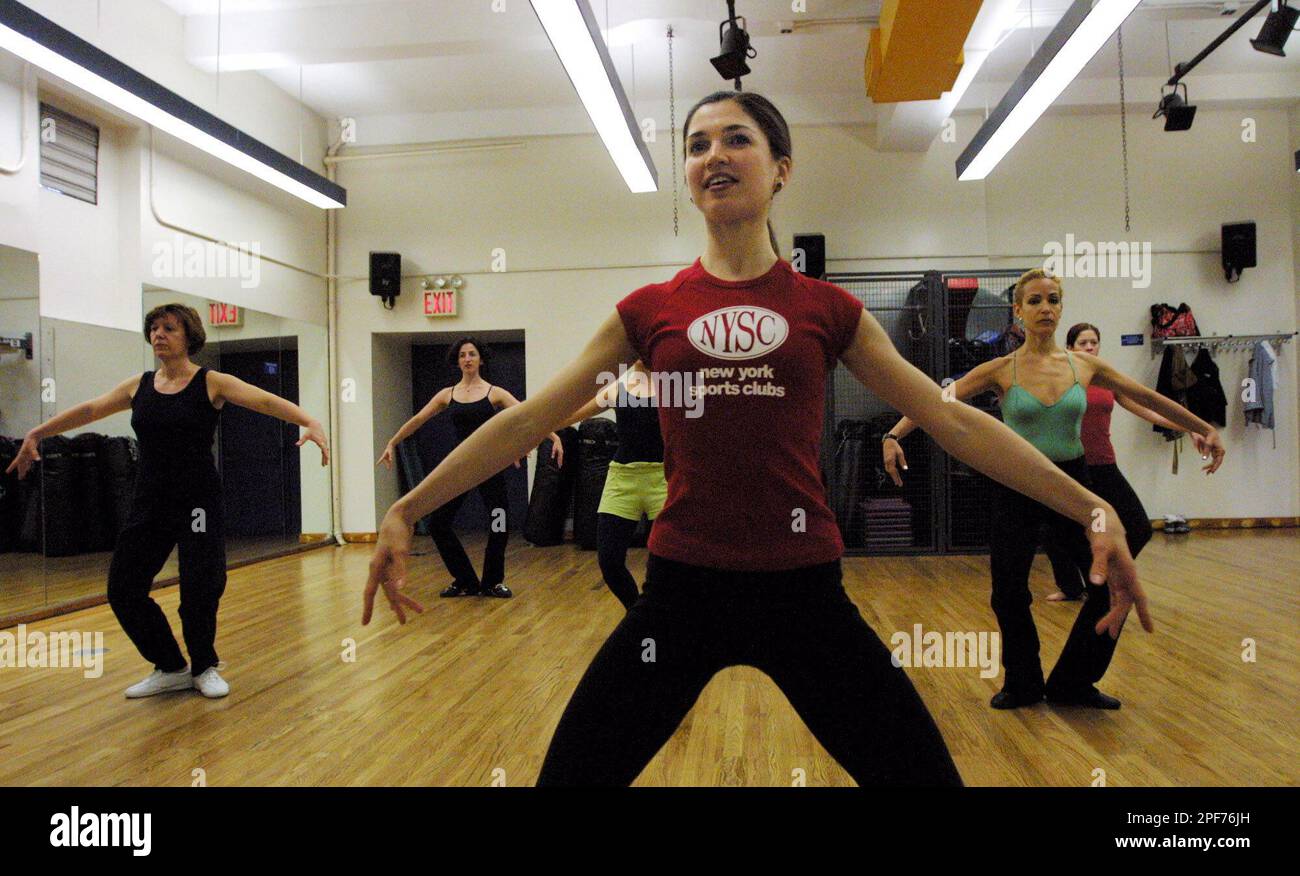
(211, 684)
(161, 682)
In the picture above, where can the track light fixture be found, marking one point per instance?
(736, 50)
(1272, 37)
(1277, 30)
(1178, 113)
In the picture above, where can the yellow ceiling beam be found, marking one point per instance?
(916, 52)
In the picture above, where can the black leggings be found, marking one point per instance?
(799, 627)
(1013, 540)
(493, 493)
(614, 536)
(142, 549)
(1109, 483)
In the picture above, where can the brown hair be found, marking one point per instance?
(1079, 328)
(1036, 274)
(188, 317)
(769, 121)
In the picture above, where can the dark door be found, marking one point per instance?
(259, 460)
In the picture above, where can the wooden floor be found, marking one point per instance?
(472, 690)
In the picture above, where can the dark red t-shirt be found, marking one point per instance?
(744, 480)
(1095, 432)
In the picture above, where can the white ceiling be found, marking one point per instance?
(421, 70)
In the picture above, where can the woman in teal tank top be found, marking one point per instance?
(1044, 396)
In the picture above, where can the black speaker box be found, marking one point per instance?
(386, 274)
(814, 254)
(1238, 248)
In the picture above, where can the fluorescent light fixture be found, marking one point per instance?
(572, 29)
(63, 54)
(1002, 15)
(1085, 28)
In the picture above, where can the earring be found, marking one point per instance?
(779, 185)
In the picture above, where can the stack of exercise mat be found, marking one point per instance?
(888, 521)
(74, 501)
(577, 485)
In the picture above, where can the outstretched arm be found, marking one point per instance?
(557, 447)
(435, 406)
(979, 379)
(994, 449)
(1146, 413)
(1125, 387)
(114, 401)
(602, 401)
(236, 392)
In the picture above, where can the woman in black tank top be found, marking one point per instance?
(177, 500)
(471, 402)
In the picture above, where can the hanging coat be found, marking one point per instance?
(1263, 371)
(1205, 397)
(1174, 380)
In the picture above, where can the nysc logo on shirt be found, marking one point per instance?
(741, 332)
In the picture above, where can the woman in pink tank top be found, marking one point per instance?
(1104, 475)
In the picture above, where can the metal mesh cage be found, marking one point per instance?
(977, 314)
(874, 515)
(944, 324)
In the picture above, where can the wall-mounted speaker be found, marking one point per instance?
(386, 274)
(809, 255)
(1238, 249)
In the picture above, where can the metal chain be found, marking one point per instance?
(672, 121)
(1123, 126)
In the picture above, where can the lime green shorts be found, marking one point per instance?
(633, 489)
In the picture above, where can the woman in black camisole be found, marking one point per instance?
(177, 500)
(471, 403)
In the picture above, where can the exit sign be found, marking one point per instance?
(225, 314)
(440, 302)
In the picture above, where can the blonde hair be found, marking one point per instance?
(1030, 276)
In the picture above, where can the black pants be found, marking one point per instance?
(799, 627)
(142, 549)
(1108, 482)
(1013, 540)
(493, 493)
(614, 536)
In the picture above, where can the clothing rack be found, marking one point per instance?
(15, 345)
(1215, 342)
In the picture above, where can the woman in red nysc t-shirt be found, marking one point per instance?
(744, 565)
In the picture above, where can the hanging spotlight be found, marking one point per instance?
(734, 38)
(1276, 30)
(1174, 107)
(1177, 111)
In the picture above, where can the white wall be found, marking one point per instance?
(1295, 236)
(95, 257)
(391, 392)
(20, 377)
(576, 242)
